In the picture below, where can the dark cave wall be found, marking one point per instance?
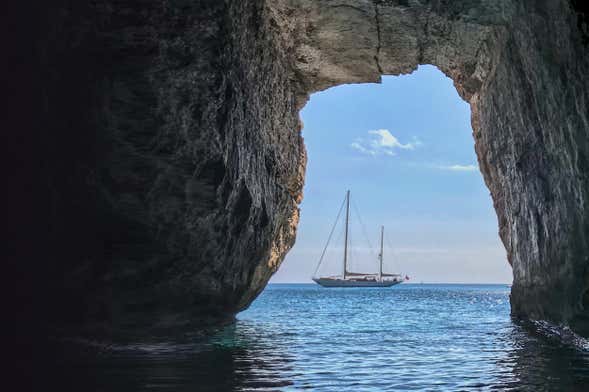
(174, 161)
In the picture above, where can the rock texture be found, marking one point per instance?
(522, 67)
(173, 162)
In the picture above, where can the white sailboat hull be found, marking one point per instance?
(334, 282)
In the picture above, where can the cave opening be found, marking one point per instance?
(405, 150)
(166, 139)
(193, 169)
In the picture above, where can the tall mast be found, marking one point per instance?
(381, 255)
(346, 239)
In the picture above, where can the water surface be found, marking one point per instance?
(407, 338)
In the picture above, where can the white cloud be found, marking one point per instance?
(382, 142)
(386, 140)
(459, 168)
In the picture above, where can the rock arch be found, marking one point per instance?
(519, 65)
(175, 141)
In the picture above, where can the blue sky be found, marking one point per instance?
(405, 150)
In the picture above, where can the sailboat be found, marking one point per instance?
(356, 279)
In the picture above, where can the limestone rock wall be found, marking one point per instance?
(532, 138)
(521, 66)
(174, 162)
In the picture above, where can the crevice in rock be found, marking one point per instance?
(241, 209)
(378, 38)
(582, 20)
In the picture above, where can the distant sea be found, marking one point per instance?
(411, 337)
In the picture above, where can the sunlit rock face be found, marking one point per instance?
(178, 178)
(522, 66)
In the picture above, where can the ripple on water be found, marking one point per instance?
(410, 337)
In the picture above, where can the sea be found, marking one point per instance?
(410, 337)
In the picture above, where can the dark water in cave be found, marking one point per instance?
(304, 337)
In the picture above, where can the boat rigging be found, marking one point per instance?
(356, 279)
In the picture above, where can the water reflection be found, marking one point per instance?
(300, 338)
(232, 359)
(546, 359)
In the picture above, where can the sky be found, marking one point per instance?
(404, 148)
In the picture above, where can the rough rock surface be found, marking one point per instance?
(522, 66)
(174, 162)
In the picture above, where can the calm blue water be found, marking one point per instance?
(405, 338)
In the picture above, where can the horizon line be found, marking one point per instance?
(481, 283)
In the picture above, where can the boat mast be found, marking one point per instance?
(381, 255)
(346, 239)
